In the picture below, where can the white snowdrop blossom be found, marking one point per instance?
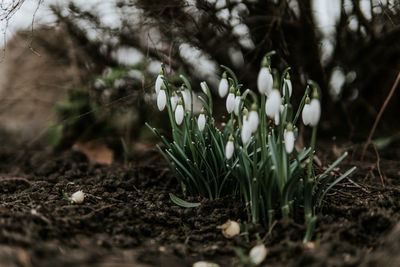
(159, 82)
(229, 148)
(174, 100)
(230, 101)
(203, 86)
(315, 112)
(245, 132)
(265, 81)
(305, 114)
(253, 118)
(237, 104)
(258, 254)
(287, 83)
(161, 99)
(288, 136)
(279, 114)
(273, 103)
(186, 98)
(179, 112)
(223, 86)
(201, 121)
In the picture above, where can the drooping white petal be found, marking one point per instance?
(229, 149)
(174, 101)
(201, 122)
(203, 87)
(315, 112)
(273, 103)
(187, 99)
(223, 87)
(288, 83)
(277, 118)
(78, 197)
(245, 133)
(237, 104)
(230, 102)
(159, 82)
(253, 121)
(179, 113)
(161, 100)
(289, 141)
(258, 254)
(265, 81)
(305, 114)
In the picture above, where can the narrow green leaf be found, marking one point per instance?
(180, 202)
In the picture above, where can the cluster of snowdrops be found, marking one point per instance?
(251, 156)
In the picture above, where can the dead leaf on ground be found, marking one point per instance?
(96, 152)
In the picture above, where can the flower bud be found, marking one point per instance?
(201, 121)
(159, 82)
(237, 103)
(161, 99)
(230, 229)
(287, 83)
(258, 254)
(229, 148)
(78, 197)
(305, 114)
(186, 97)
(230, 101)
(253, 118)
(223, 86)
(179, 112)
(203, 86)
(289, 138)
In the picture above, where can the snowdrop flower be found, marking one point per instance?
(257, 254)
(186, 98)
(312, 112)
(230, 229)
(229, 148)
(203, 86)
(223, 86)
(265, 80)
(305, 114)
(201, 121)
(253, 118)
(78, 197)
(273, 103)
(159, 82)
(174, 100)
(179, 112)
(288, 83)
(161, 98)
(279, 114)
(289, 138)
(230, 100)
(237, 103)
(245, 132)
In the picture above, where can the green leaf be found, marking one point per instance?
(180, 202)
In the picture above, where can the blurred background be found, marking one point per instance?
(80, 71)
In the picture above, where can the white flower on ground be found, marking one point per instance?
(203, 86)
(179, 112)
(237, 103)
(230, 229)
(174, 100)
(159, 82)
(273, 103)
(223, 86)
(230, 101)
(229, 148)
(288, 136)
(161, 99)
(78, 197)
(204, 264)
(201, 121)
(253, 118)
(258, 254)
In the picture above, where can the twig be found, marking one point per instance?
(378, 117)
(15, 179)
(378, 165)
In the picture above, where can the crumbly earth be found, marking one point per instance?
(127, 218)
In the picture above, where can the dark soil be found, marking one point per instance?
(127, 218)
